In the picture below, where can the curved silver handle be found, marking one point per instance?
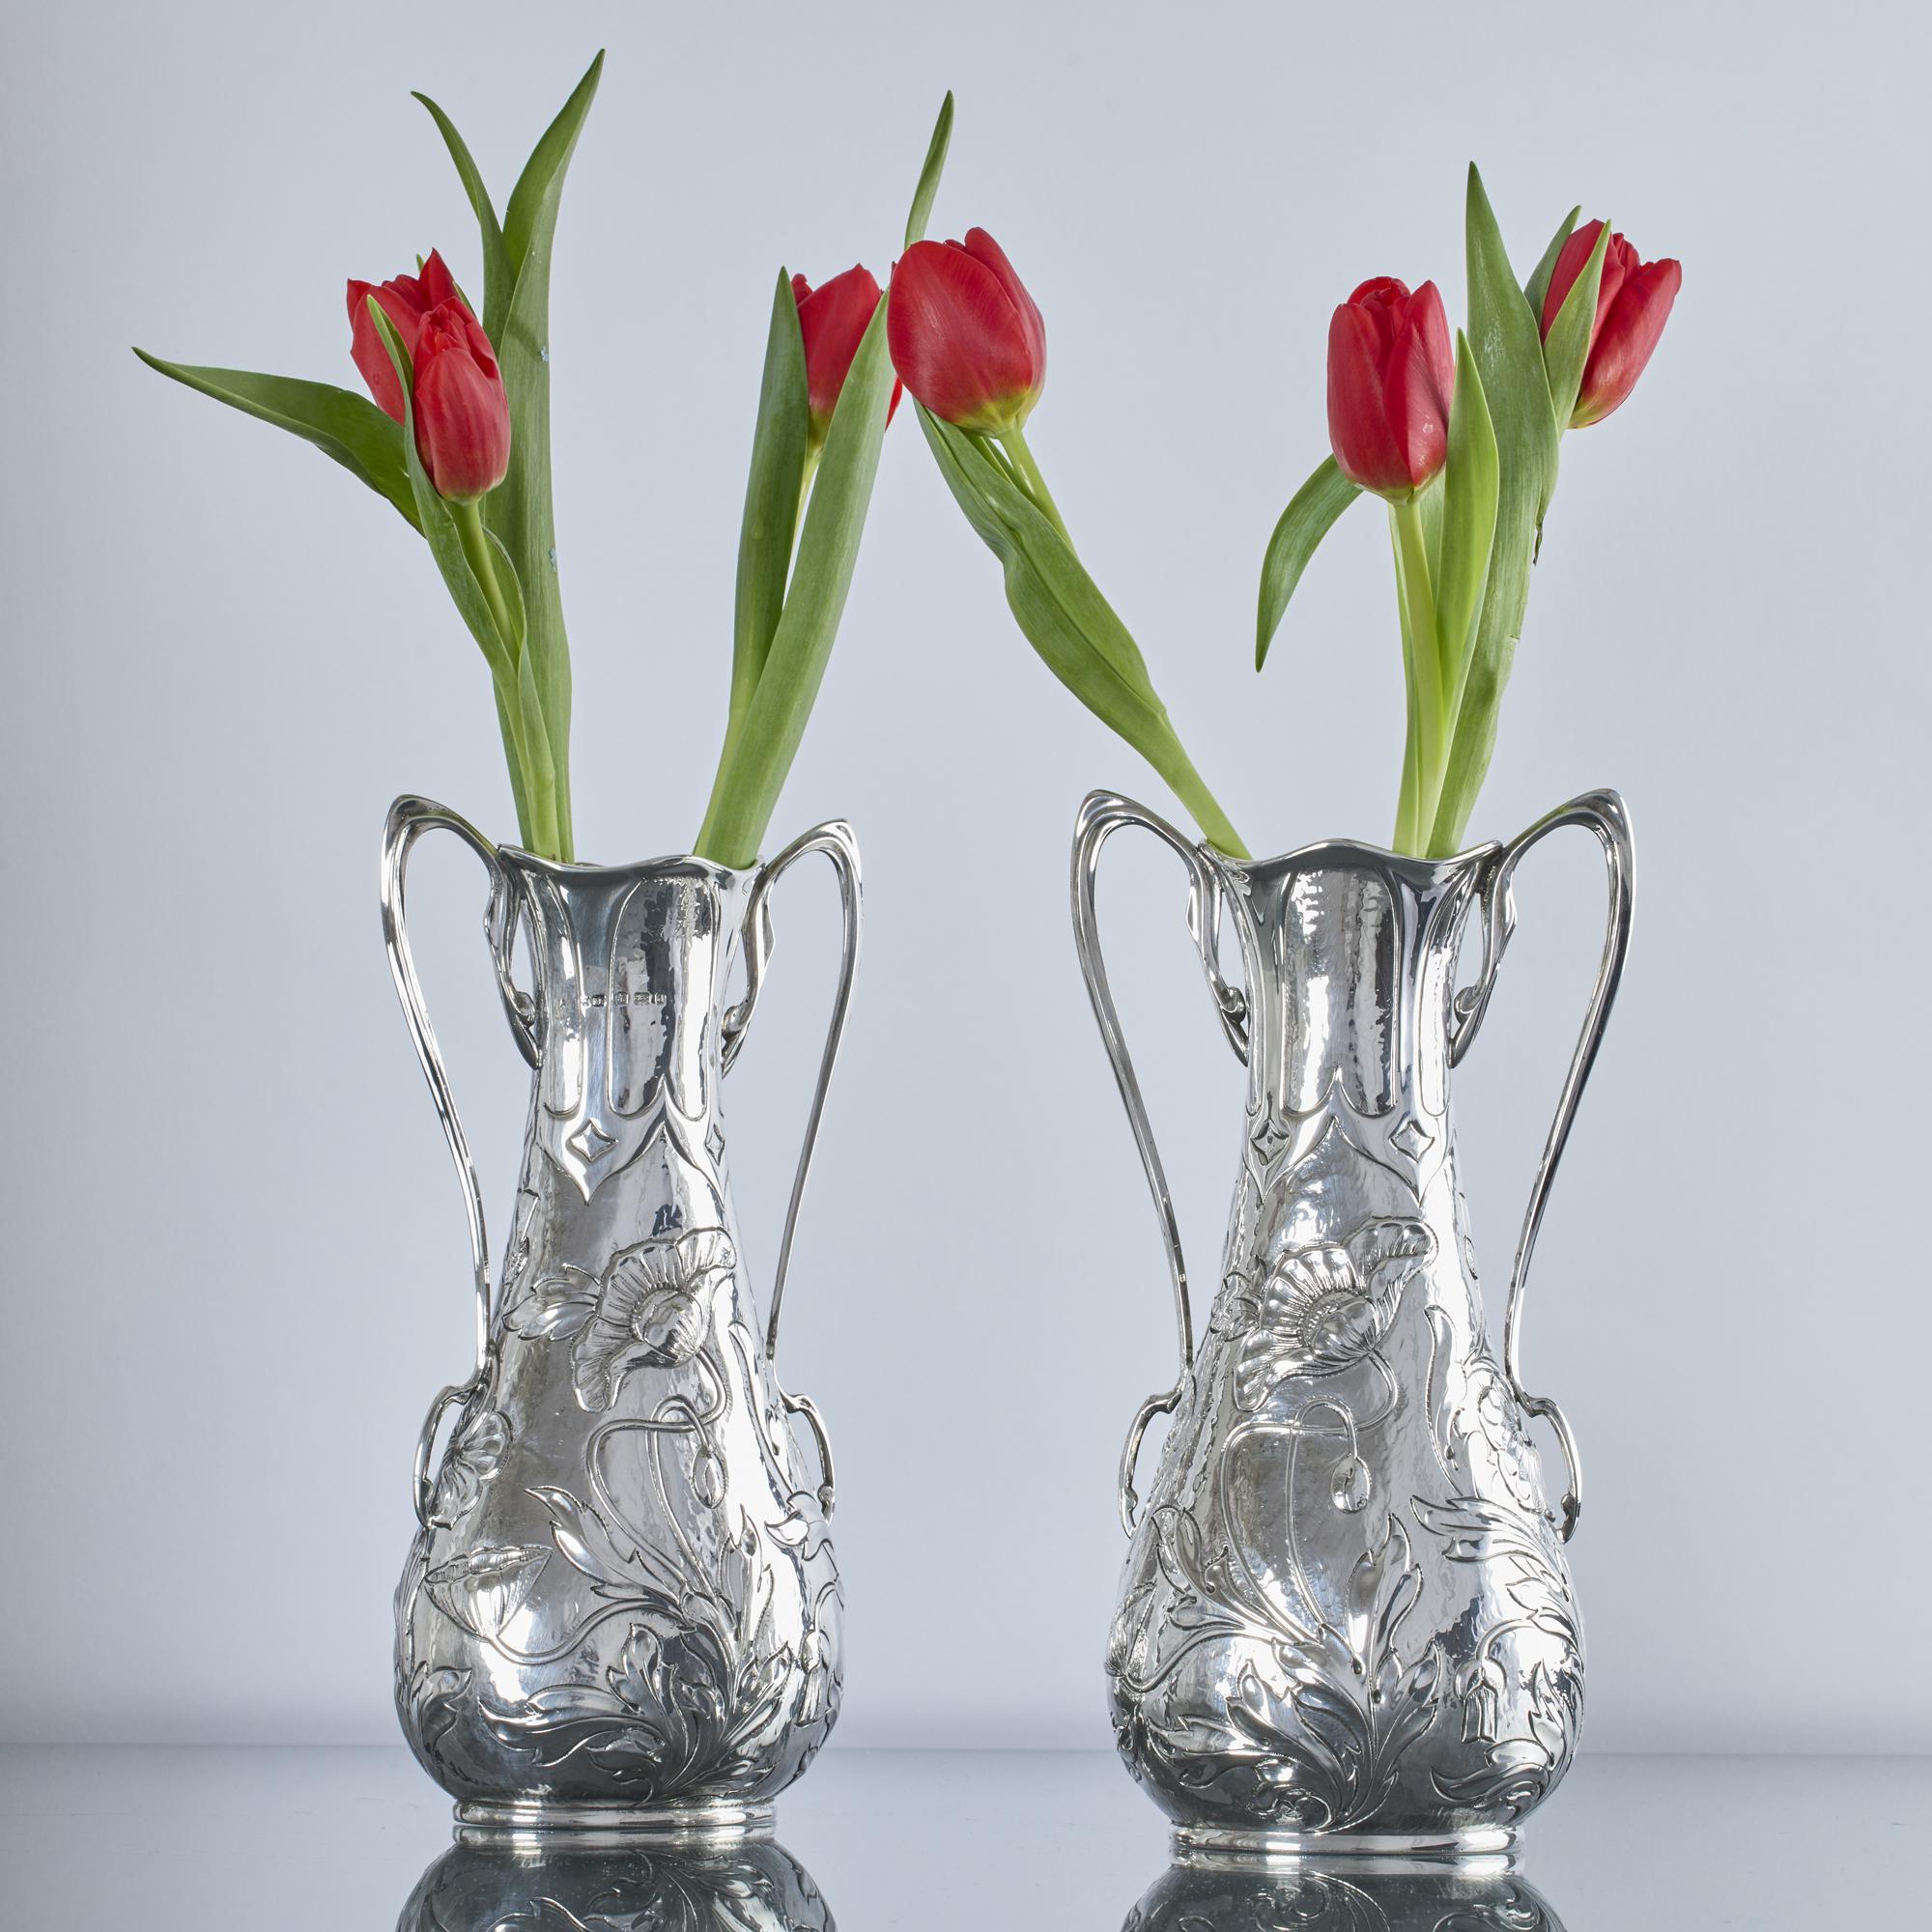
(408, 820)
(1604, 813)
(1101, 815)
(836, 841)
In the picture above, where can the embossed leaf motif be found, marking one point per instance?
(472, 1459)
(1328, 1306)
(483, 1590)
(555, 1308)
(652, 1311)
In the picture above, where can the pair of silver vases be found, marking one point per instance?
(1347, 1625)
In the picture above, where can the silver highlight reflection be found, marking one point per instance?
(1347, 1896)
(746, 1887)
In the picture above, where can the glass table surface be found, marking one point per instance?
(359, 1840)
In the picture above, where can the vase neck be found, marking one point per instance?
(630, 964)
(1350, 955)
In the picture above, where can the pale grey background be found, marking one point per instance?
(234, 1251)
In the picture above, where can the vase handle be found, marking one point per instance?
(408, 820)
(1603, 812)
(836, 841)
(1101, 815)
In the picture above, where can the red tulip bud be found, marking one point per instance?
(1632, 304)
(1391, 373)
(462, 413)
(834, 320)
(405, 300)
(965, 335)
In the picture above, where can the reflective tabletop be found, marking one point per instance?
(358, 1841)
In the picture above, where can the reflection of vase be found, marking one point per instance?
(746, 1887)
(1408, 1897)
(1347, 1622)
(621, 1611)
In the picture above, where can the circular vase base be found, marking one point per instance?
(1491, 1849)
(594, 1823)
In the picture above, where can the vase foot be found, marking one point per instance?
(593, 1824)
(1488, 1848)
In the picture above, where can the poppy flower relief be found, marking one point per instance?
(1327, 1307)
(653, 1309)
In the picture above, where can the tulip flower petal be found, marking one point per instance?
(462, 414)
(1416, 386)
(1566, 339)
(1366, 448)
(983, 248)
(958, 342)
(1628, 339)
(833, 320)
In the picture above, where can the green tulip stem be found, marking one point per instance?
(1034, 483)
(1431, 728)
(476, 552)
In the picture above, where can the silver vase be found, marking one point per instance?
(1345, 1623)
(620, 1620)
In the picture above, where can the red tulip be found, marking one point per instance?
(834, 320)
(1632, 304)
(1391, 373)
(405, 300)
(965, 335)
(462, 413)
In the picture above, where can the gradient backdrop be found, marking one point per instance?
(234, 1266)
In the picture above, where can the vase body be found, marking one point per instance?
(1346, 1622)
(619, 1618)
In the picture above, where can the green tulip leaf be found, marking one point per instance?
(1063, 615)
(755, 766)
(1310, 516)
(520, 509)
(929, 175)
(512, 587)
(498, 274)
(1538, 286)
(771, 491)
(341, 424)
(509, 725)
(1507, 349)
(1472, 481)
(1043, 572)
(1566, 350)
(532, 212)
